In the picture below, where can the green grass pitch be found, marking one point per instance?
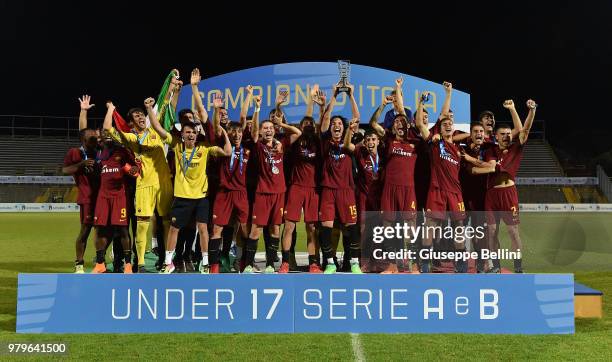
(579, 243)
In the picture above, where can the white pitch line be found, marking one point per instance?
(357, 349)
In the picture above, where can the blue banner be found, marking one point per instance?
(428, 303)
(371, 86)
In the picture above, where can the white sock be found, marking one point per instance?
(330, 261)
(354, 261)
(153, 242)
(205, 258)
(169, 255)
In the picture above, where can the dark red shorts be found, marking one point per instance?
(398, 201)
(87, 213)
(268, 209)
(227, 202)
(111, 210)
(502, 203)
(369, 202)
(338, 202)
(298, 198)
(442, 204)
(475, 202)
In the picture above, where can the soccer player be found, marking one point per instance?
(370, 170)
(305, 156)
(398, 198)
(79, 162)
(474, 186)
(114, 162)
(338, 189)
(301, 161)
(503, 161)
(190, 185)
(487, 119)
(153, 186)
(231, 196)
(269, 204)
(444, 193)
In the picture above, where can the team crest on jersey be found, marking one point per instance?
(152, 136)
(199, 154)
(505, 151)
(117, 158)
(412, 145)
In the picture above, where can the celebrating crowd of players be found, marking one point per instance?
(223, 180)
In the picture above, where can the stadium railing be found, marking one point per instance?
(16, 125)
(604, 182)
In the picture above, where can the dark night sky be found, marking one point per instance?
(556, 53)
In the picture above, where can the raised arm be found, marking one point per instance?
(354, 106)
(149, 103)
(516, 120)
(85, 106)
(217, 104)
(320, 100)
(294, 132)
(280, 99)
(399, 94)
(255, 127)
(108, 118)
(422, 127)
(200, 109)
(448, 90)
(376, 116)
(328, 111)
(348, 135)
(175, 84)
(178, 85)
(524, 134)
(246, 104)
(311, 98)
(226, 151)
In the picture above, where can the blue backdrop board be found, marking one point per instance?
(371, 86)
(228, 303)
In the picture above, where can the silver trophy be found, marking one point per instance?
(344, 68)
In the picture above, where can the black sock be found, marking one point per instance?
(312, 259)
(496, 264)
(286, 256)
(79, 262)
(346, 245)
(325, 242)
(250, 250)
(127, 256)
(100, 256)
(213, 251)
(227, 235)
(518, 264)
(355, 245)
(271, 251)
(480, 263)
(293, 241)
